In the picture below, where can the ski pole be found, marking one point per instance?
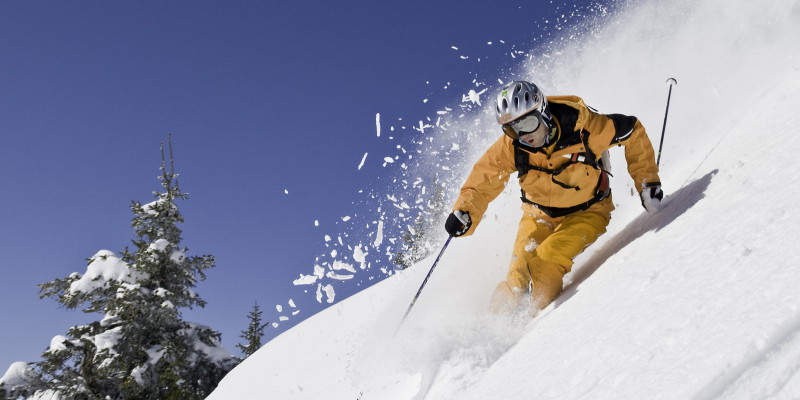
(423, 285)
(671, 81)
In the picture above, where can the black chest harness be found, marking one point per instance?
(602, 188)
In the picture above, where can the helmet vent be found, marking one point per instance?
(519, 98)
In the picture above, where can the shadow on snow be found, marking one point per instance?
(674, 206)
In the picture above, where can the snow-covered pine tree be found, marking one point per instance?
(417, 243)
(254, 332)
(141, 349)
(437, 204)
(403, 257)
(414, 244)
(434, 234)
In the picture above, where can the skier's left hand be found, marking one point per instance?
(651, 196)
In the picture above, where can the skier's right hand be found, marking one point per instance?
(458, 223)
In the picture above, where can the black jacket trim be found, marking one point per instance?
(623, 127)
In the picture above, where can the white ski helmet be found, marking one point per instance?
(517, 99)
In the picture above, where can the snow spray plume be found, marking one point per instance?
(423, 284)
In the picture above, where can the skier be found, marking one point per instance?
(558, 146)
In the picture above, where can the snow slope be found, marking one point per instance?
(698, 301)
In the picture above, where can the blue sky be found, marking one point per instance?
(260, 98)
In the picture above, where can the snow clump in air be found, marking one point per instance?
(379, 236)
(360, 256)
(362, 160)
(319, 271)
(339, 277)
(305, 280)
(338, 265)
(329, 292)
(474, 97)
(422, 127)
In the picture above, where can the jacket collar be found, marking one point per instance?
(576, 103)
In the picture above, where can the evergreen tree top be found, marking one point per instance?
(158, 272)
(254, 332)
(158, 219)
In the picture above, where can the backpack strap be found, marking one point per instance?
(523, 165)
(555, 212)
(521, 160)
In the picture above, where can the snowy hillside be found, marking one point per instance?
(699, 301)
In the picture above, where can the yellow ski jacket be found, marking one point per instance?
(557, 180)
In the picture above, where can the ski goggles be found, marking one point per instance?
(524, 125)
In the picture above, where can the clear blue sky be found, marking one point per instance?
(260, 97)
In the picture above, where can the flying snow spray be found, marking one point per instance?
(423, 285)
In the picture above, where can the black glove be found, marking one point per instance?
(457, 223)
(651, 196)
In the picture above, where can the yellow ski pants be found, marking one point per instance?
(543, 253)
